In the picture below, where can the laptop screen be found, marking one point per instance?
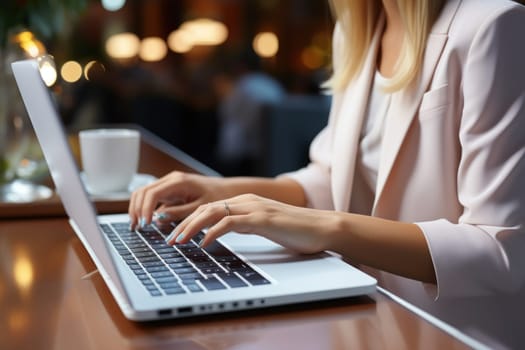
(62, 165)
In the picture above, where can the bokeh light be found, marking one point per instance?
(266, 44)
(46, 65)
(123, 46)
(180, 41)
(113, 5)
(153, 49)
(200, 31)
(71, 71)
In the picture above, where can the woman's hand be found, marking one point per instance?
(173, 197)
(300, 229)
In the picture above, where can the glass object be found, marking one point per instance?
(16, 133)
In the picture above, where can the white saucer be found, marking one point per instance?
(138, 180)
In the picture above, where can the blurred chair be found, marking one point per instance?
(288, 127)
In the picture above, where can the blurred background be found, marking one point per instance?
(233, 83)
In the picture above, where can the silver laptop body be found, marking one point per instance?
(288, 277)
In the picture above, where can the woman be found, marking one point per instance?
(418, 176)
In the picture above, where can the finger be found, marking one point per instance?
(204, 216)
(134, 206)
(223, 226)
(131, 211)
(170, 213)
(151, 197)
(174, 237)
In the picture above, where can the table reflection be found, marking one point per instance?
(29, 273)
(50, 298)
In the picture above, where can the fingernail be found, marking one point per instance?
(161, 216)
(180, 238)
(170, 237)
(142, 222)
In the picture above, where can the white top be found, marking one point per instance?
(372, 132)
(370, 145)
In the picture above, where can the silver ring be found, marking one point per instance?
(227, 208)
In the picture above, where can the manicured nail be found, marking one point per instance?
(170, 236)
(142, 222)
(161, 216)
(180, 238)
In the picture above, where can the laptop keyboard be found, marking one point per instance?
(182, 268)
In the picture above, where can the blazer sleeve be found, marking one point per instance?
(484, 253)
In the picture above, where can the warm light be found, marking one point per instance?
(312, 57)
(113, 5)
(201, 31)
(266, 44)
(123, 46)
(153, 49)
(31, 45)
(205, 31)
(23, 271)
(180, 41)
(71, 71)
(47, 69)
(24, 36)
(33, 48)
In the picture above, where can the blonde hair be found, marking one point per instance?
(358, 19)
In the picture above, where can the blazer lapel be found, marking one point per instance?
(405, 103)
(349, 124)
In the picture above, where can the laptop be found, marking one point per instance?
(151, 280)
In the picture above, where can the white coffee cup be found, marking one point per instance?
(110, 158)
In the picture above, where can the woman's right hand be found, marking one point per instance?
(173, 197)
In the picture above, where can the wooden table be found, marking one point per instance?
(49, 299)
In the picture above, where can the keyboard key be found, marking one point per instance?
(165, 250)
(185, 270)
(161, 280)
(211, 283)
(174, 291)
(135, 267)
(152, 269)
(179, 265)
(193, 287)
(234, 265)
(153, 263)
(145, 259)
(189, 276)
(142, 276)
(168, 285)
(253, 277)
(147, 282)
(170, 255)
(144, 254)
(155, 293)
(176, 260)
(161, 274)
(151, 287)
(211, 270)
(204, 264)
(232, 280)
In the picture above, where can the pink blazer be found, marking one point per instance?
(453, 153)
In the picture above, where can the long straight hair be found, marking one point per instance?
(358, 20)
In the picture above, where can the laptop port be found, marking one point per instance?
(184, 310)
(165, 312)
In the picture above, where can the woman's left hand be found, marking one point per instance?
(301, 229)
